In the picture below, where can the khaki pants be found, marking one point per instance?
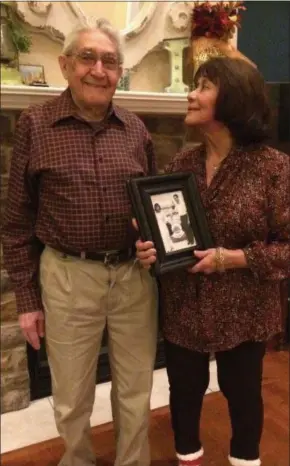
(79, 298)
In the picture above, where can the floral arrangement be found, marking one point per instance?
(215, 19)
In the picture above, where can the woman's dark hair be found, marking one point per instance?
(242, 103)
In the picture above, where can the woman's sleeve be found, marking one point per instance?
(270, 260)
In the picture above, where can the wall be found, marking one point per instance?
(152, 74)
(116, 12)
(265, 38)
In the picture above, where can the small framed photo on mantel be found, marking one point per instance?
(170, 213)
(33, 75)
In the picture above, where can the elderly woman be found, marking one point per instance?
(229, 301)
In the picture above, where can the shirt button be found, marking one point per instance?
(107, 218)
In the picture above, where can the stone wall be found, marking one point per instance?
(169, 135)
(15, 393)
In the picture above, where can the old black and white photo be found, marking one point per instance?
(173, 221)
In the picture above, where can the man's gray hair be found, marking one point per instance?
(91, 25)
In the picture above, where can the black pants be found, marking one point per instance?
(240, 381)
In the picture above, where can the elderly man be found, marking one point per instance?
(68, 246)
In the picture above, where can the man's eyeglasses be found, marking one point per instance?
(88, 58)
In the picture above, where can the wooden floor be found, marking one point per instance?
(215, 429)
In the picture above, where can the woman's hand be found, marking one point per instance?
(210, 260)
(145, 253)
(206, 263)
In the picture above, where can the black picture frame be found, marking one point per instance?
(174, 238)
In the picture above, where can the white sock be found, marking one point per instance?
(238, 462)
(191, 456)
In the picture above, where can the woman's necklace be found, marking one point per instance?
(217, 166)
(214, 168)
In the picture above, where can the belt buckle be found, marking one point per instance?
(111, 259)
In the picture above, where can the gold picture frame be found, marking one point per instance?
(32, 75)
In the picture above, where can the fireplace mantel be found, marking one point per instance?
(21, 97)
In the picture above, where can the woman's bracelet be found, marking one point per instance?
(220, 260)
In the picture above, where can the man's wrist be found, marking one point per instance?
(28, 299)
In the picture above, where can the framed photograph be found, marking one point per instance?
(32, 75)
(169, 212)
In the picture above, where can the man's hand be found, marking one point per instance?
(32, 326)
(146, 253)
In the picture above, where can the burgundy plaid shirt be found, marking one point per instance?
(67, 187)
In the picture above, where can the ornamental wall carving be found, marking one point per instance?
(155, 22)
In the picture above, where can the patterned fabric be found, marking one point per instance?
(68, 187)
(247, 206)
